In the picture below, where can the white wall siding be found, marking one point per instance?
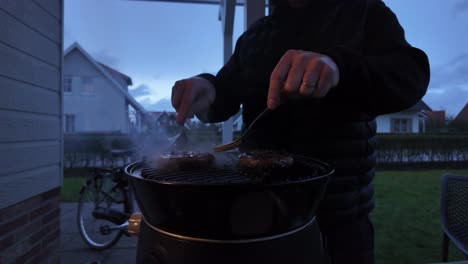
(384, 121)
(17, 182)
(102, 111)
(33, 15)
(22, 97)
(30, 98)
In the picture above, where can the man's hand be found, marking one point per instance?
(302, 74)
(192, 96)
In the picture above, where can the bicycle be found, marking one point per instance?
(104, 207)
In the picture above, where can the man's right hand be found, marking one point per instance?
(192, 96)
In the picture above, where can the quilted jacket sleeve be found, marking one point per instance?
(389, 76)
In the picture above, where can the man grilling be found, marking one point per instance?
(328, 68)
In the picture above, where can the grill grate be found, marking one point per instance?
(301, 170)
(204, 176)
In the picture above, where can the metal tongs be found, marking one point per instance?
(178, 141)
(236, 143)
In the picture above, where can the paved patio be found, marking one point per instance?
(74, 251)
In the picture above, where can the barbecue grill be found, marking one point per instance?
(219, 215)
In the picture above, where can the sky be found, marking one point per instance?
(158, 43)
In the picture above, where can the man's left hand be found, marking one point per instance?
(302, 74)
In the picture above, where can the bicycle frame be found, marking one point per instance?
(122, 185)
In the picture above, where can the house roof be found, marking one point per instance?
(420, 106)
(437, 117)
(463, 115)
(110, 76)
(155, 115)
(116, 74)
(158, 114)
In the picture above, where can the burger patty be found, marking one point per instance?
(184, 160)
(264, 165)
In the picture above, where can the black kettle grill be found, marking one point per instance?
(218, 215)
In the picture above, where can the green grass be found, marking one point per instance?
(73, 180)
(71, 189)
(406, 217)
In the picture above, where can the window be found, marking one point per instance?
(69, 123)
(88, 85)
(401, 125)
(67, 84)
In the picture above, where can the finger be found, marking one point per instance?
(185, 106)
(324, 83)
(311, 78)
(277, 79)
(295, 75)
(177, 94)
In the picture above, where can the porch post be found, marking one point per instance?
(253, 10)
(227, 11)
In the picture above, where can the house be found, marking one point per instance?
(96, 97)
(462, 116)
(163, 119)
(460, 122)
(411, 120)
(436, 121)
(31, 147)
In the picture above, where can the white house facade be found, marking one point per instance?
(402, 122)
(96, 97)
(412, 120)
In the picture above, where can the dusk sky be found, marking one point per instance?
(158, 43)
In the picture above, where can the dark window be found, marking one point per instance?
(88, 85)
(67, 84)
(69, 123)
(401, 125)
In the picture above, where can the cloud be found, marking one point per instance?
(453, 73)
(448, 89)
(140, 90)
(461, 6)
(105, 57)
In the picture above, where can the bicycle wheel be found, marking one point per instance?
(100, 210)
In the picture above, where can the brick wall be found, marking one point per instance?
(30, 230)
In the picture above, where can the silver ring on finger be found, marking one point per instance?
(310, 86)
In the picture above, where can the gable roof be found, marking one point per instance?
(463, 115)
(156, 115)
(108, 75)
(419, 106)
(116, 74)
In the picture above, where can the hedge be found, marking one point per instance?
(393, 150)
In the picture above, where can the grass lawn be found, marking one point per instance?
(72, 182)
(406, 216)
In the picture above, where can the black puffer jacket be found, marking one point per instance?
(379, 73)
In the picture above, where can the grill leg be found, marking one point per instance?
(445, 246)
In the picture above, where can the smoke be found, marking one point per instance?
(105, 57)
(200, 139)
(140, 90)
(163, 104)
